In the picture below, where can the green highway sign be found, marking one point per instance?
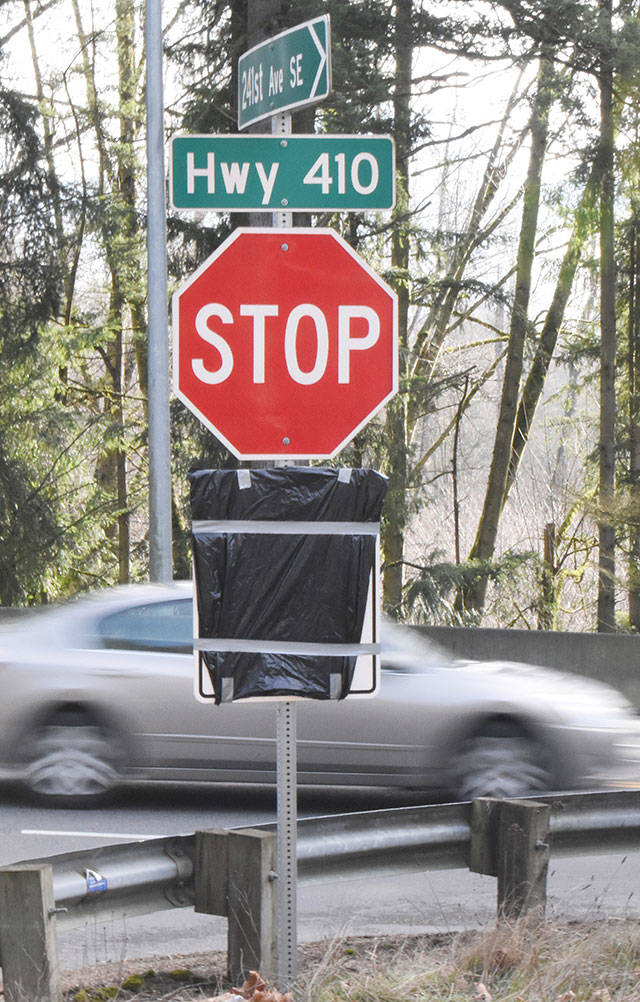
(232, 173)
(287, 71)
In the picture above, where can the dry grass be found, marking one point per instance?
(576, 962)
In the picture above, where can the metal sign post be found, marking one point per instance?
(257, 636)
(287, 819)
(160, 561)
(286, 767)
(283, 275)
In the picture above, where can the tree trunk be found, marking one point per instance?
(124, 518)
(95, 111)
(548, 590)
(120, 234)
(634, 421)
(47, 130)
(396, 424)
(454, 470)
(606, 531)
(126, 164)
(125, 259)
(534, 382)
(434, 330)
(473, 597)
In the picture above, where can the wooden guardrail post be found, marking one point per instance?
(235, 875)
(523, 858)
(483, 850)
(510, 841)
(28, 945)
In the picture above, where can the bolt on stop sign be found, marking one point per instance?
(285, 343)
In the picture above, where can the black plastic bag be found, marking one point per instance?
(283, 559)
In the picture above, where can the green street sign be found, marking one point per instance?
(316, 173)
(287, 71)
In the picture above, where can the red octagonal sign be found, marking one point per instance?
(285, 343)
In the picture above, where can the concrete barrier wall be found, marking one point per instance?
(612, 658)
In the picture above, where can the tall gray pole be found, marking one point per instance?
(160, 548)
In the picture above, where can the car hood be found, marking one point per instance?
(546, 684)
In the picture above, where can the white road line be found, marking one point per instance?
(126, 838)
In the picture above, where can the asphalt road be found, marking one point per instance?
(583, 887)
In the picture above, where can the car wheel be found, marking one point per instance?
(500, 765)
(71, 763)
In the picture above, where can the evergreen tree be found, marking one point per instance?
(30, 283)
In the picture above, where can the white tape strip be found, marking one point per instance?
(244, 479)
(220, 526)
(344, 475)
(228, 646)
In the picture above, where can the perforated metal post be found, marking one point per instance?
(281, 126)
(286, 764)
(287, 836)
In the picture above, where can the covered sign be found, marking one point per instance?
(283, 562)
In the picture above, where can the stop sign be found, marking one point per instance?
(285, 343)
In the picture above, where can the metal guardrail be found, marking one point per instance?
(134, 878)
(405, 838)
(147, 876)
(594, 822)
(439, 837)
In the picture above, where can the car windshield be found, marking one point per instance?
(404, 649)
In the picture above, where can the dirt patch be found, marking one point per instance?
(186, 977)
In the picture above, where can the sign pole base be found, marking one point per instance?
(287, 816)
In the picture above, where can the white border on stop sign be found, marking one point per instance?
(282, 234)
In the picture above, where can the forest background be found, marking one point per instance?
(513, 447)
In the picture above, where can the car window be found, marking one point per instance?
(158, 626)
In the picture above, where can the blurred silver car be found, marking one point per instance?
(101, 691)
